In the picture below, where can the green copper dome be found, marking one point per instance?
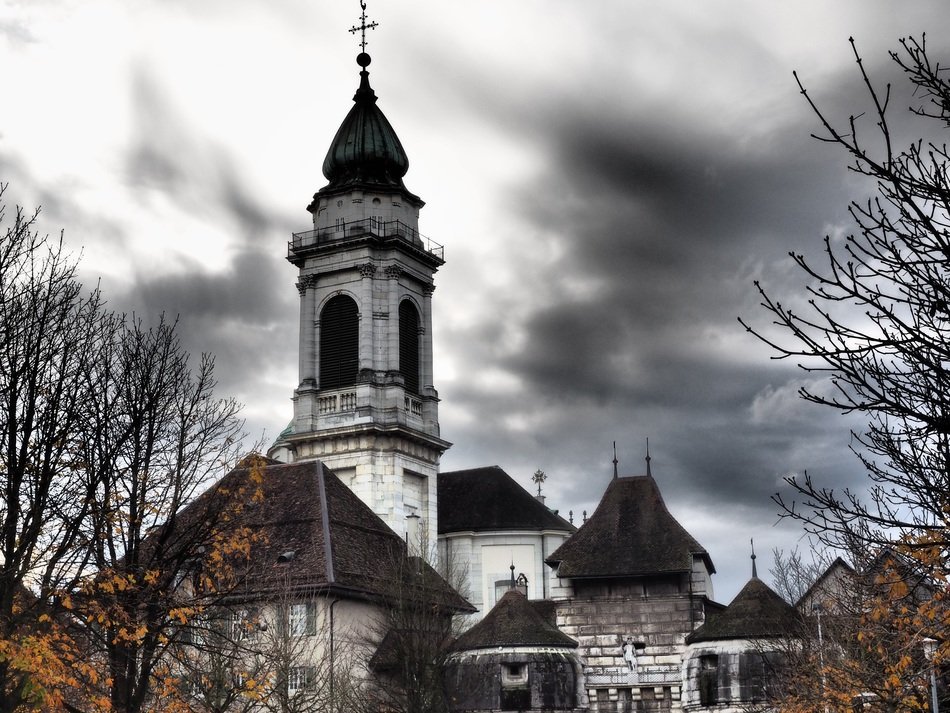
(365, 149)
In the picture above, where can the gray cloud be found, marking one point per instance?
(17, 31)
(638, 176)
(670, 223)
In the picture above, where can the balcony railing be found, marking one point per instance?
(336, 403)
(346, 401)
(368, 227)
(413, 406)
(662, 674)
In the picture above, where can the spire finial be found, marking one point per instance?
(362, 28)
(513, 584)
(649, 472)
(615, 461)
(752, 543)
(539, 477)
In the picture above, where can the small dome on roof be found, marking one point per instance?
(365, 149)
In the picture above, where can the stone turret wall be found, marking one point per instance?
(514, 678)
(631, 635)
(730, 676)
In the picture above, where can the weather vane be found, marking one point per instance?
(363, 27)
(539, 477)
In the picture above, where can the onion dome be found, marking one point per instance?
(365, 149)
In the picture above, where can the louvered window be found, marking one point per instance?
(409, 345)
(339, 343)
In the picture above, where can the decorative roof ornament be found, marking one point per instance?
(362, 28)
(615, 461)
(366, 151)
(752, 543)
(539, 477)
(649, 472)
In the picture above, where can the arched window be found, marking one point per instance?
(409, 345)
(339, 343)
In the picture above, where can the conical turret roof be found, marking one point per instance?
(513, 621)
(756, 612)
(631, 533)
(365, 149)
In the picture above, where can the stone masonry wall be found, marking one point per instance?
(631, 637)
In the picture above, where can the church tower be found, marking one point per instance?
(366, 405)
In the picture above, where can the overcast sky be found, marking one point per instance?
(607, 178)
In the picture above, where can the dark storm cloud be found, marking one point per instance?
(667, 224)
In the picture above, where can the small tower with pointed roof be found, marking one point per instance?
(732, 658)
(516, 659)
(633, 583)
(365, 404)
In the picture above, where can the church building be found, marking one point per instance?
(610, 605)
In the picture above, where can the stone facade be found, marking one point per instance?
(515, 679)
(728, 676)
(487, 556)
(631, 637)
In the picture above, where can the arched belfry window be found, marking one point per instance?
(339, 343)
(409, 345)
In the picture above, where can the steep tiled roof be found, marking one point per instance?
(513, 621)
(312, 533)
(756, 612)
(631, 533)
(489, 499)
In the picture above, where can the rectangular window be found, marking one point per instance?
(239, 624)
(300, 678)
(708, 680)
(514, 675)
(303, 619)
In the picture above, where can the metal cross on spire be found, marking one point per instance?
(363, 27)
(539, 477)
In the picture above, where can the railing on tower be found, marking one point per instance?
(351, 399)
(336, 403)
(371, 227)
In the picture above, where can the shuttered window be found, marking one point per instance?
(708, 682)
(409, 345)
(339, 343)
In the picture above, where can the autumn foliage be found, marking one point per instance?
(109, 436)
(871, 645)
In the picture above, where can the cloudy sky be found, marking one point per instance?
(607, 178)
